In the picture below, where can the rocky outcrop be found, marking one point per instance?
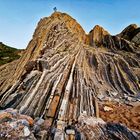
(131, 33)
(36, 45)
(14, 125)
(127, 33)
(97, 36)
(121, 113)
(65, 72)
(96, 129)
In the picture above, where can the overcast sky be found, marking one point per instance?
(18, 18)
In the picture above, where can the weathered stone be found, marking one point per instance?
(62, 72)
(15, 127)
(28, 118)
(40, 121)
(43, 135)
(5, 116)
(53, 106)
(46, 124)
(107, 108)
(26, 131)
(109, 131)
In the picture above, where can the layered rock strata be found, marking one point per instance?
(65, 72)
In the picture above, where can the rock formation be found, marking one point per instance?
(131, 33)
(65, 72)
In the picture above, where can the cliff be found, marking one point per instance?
(65, 72)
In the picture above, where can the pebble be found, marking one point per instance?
(46, 124)
(28, 118)
(100, 96)
(114, 93)
(107, 108)
(43, 135)
(24, 122)
(70, 132)
(40, 121)
(13, 125)
(26, 131)
(11, 111)
(36, 128)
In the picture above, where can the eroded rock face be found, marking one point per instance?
(97, 36)
(92, 128)
(14, 125)
(65, 72)
(131, 33)
(127, 33)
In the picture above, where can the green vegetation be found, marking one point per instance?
(8, 54)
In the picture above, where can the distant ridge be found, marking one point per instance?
(8, 54)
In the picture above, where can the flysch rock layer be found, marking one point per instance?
(65, 72)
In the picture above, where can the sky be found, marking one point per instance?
(19, 18)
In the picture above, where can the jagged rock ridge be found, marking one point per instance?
(65, 72)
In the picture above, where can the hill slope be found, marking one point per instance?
(8, 54)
